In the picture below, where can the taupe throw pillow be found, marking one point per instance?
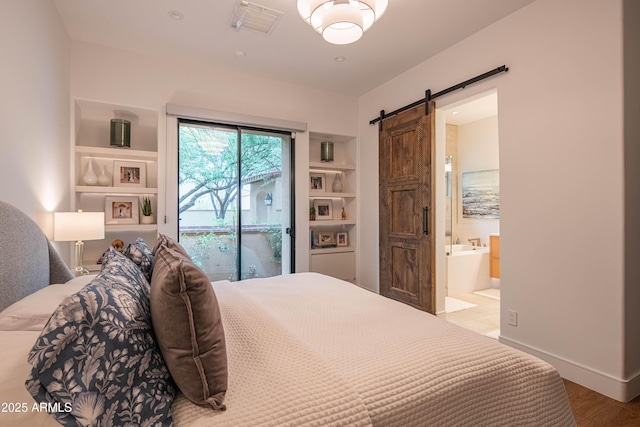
(188, 327)
(164, 240)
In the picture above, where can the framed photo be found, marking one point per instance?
(325, 239)
(121, 210)
(341, 239)
(129, 174)
(317, 182)
(324, 209)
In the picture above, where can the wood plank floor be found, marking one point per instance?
(592, 409)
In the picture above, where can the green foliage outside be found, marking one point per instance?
(209, 171)
(209, 164)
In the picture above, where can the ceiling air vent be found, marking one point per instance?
(255, 17)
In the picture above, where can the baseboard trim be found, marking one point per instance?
(619, 389)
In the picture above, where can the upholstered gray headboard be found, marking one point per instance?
(28, 261)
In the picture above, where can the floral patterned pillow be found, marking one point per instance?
(142, 255)
(96, 361)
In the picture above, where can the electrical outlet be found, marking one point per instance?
(513, 317)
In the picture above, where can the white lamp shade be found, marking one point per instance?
(73, 226)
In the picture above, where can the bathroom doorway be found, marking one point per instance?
(471, 214)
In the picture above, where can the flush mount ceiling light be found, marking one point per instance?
(341, 21)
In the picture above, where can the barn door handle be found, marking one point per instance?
(425, 220)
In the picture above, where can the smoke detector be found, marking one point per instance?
(254, 17)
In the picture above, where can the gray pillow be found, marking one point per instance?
(188, 327)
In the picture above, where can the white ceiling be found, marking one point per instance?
(410, 32)
(470, 110)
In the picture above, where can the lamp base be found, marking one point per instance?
(79, 269)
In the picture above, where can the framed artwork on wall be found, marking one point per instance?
(481, 194)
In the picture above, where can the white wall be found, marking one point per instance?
(632, 183)
(121, 77)
(561, 164)
(478, 150)
(34, 107)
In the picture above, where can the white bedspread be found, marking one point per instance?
(17, 404)
(408, 368)
(273, 379)
(310, 350)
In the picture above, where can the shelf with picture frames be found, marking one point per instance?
(330, 167)
(337, 260)
(117, 172)
(330, 195)
(114, 190)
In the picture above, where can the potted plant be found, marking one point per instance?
(312, 214)
(147, 213)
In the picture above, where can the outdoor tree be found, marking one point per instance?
(209, 164)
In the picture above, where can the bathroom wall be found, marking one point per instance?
(451, 149)
(473, 147)
(477, 145)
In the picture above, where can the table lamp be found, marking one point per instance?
(78, 226)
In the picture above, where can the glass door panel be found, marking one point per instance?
(208, 178)
(234, 200)
(265, 204)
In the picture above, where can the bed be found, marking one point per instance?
(300, 349)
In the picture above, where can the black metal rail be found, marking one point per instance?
(429, 96)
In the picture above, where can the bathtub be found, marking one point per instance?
(467, 269)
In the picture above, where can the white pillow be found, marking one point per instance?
(32, 312)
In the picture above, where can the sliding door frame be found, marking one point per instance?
(290, 229)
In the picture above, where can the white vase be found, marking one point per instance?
(103, 178)
(337, 184)
(90, 177)
(149, 219)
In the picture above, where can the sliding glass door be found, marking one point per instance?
(235, 199)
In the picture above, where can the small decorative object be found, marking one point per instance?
(103, 178)
(90, 177)
(147, 213)
(325, 239)
(118, 245)
(337, 184)
(120, 133)
(129, 174)
(341, 239)
(312, 214)
(268, 200)
(121, 210)
(326, 151)
(324, 209)
(316, 182)
(343, 214)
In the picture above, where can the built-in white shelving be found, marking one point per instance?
(338, 260)
(90, 144)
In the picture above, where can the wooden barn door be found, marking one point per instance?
(407, 258)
